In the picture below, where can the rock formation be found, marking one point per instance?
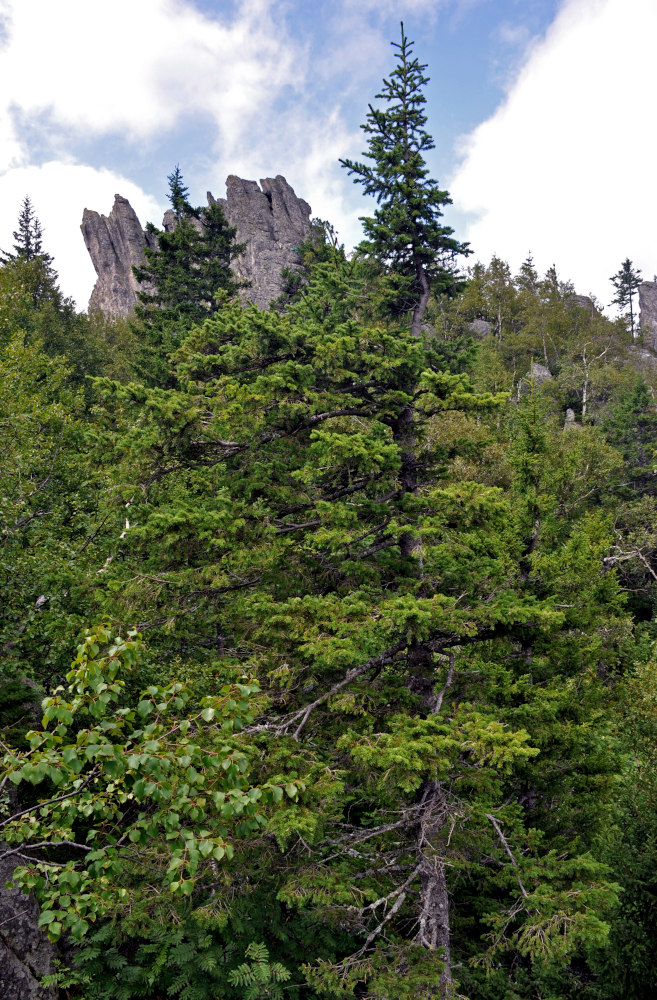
(570, 423)
(582, 302)
(481, 327)
(535, 377)
(115, 243)
(270, 220)
(648, 314)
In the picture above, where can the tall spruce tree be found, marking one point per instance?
(405, 234)
(411, 696)
(391, 615)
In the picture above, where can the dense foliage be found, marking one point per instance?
(364, 702)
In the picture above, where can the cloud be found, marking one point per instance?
(98, 68)
(77, 187)
(564, 165)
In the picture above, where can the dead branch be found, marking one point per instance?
(400, 893)
(508, 850)
(438, 704)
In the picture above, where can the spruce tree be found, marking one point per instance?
(405, 234)
(183, 277)
(410, 695)
(28, 237)
(178, 193)
(626, 282)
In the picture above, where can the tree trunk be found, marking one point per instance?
(434, 931)
(433, 920)
(423, 301)
(403, 435)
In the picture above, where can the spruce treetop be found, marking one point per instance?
(28, 237)
(178, 193)
(405, 234)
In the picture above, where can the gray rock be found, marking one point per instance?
(115, 243)
(648, 313)
(570, 423)
(25, 952)
(481, 327)
(643, 359)
(582, 302)
(270, 220)
(536, 376)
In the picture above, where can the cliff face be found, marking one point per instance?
(270, 220)
(648, 313)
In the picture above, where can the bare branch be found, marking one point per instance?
(44, 843)
(400, 893)
(508, 850)
(14, 916)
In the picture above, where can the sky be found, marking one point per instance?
(542, 113)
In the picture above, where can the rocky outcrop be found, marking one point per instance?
(570, 424)
(481, 327)
(270, 219)
(535, 377)
(648, 314)
(116, 244)
(25, 952)
(582, 302)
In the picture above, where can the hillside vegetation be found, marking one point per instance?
(359, 597)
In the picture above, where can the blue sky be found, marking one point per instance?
(541, 110)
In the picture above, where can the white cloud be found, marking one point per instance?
(565, 166)
(96, 68)
(77, 187)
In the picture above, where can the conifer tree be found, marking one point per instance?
(417, 251)
(183, 277)
(626, 282)
(178, 193)
(28, 237)
(411, 695)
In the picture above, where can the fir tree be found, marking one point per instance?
(178, 193)
(411, 695)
